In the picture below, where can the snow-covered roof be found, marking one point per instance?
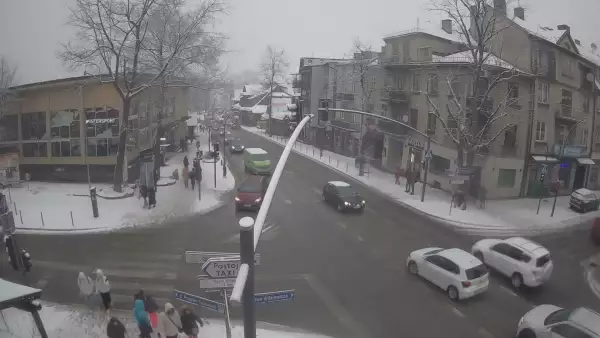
(432, 28)
(259, 109)
(467, 57)
(256, 151)
(252, 89)
(339, 183)
(12, 292)
(236, 94)
(546, 32)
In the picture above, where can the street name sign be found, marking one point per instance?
(200, 257)
(275, 296)
(222, 267)
(199, 301)
(216, 283)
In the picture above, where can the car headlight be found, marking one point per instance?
(237, 199)
(363, 202)
(258, 200)
(242, 147)
(346, 203)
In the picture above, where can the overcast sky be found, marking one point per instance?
(31, 30)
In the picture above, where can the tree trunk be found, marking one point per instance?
(159, 126)
(118, 179)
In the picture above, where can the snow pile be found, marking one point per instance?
(500, 217)
(62, 321)
(62, 207)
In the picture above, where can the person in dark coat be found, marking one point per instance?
(189, 322)
(151, 197)
(186, 162)
(193, 177)
(183, 145)
(115, 329)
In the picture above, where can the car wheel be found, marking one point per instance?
(452, 293)
(516, 280)
(412, 267)
(479, 256)
(526, 333)
(340, 208)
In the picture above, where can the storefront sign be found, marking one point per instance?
(569, 151)
(415, 143)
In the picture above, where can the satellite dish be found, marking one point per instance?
(405, 118)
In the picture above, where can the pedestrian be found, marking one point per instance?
(103, 288)
(186, 162)
(416, 178)
(115, 329)
(408, 179)
(142, 319)
(189, 322)
(193, 177)
(150, 306)
(397, 174)
(151, 197)
(197, 145)
(183, 145)
(169, 322)
(86, 287)
(482, 195)
(185, 175)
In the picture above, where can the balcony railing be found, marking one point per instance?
(564, 112)
(394, 94)
(393, 60)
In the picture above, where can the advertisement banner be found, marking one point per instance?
(9, 169)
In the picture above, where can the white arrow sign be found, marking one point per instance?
(220, 283)
(222, 267)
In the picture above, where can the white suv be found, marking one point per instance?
(524, 261)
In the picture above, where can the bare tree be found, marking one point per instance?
(110, 42)
(273, 68)
(475, 123)
(8, 75)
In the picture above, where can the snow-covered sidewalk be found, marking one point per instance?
(66, 207)
(500, 217)
(63, 321)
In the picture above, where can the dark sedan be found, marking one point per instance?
(237, 147)
(343, 196)
(584, 200)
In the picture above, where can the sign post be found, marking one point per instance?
(542, 177)
(247, 257)
(428, 156)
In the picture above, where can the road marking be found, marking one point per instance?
(457, 312)
(360, 239)
(342, 225)
(135, 287)
(484, 333)
(509, 291)
(126, 273)
(337, 309)
(288, 202)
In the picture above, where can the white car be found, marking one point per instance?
(524, 261)
(456, 271)
(555, 322)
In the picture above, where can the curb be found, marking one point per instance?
(464, 227)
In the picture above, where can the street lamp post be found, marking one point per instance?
(426, 166)
(224, 148)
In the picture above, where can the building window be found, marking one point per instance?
(568, 66)
(424, 53)
(439, 164)
(540, 131)
(102, 122)
(35, 149)
(416, 85)
(67, 148)
(594, 175)
(513, 93)
(431, 123)
(510, 137)
(544, 92)
(102, 147)
(33, 126)
(506, 178)
(414, 117)
(65, 124)
(398, 81)
(432, 84)
(9, 126)
(455, 87)
(567, 101)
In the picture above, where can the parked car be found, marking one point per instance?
(584, 200)
(250, 193)
(455, 271)
(553, 321)
(523, 261)
(343, 196)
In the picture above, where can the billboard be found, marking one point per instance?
(9, 169)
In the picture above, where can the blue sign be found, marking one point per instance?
(199, 301)
(275, 296)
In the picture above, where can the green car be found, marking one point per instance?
(256, 161)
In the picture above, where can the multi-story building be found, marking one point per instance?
(60, 128)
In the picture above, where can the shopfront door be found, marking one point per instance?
(579, 181)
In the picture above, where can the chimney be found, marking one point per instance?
(563, 27)
(447, 26)
(519, 13)
(500, 6)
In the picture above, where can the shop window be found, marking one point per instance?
(438, 164)
(102, 122)
(33, 126)
(35, 149)
(540, 131)
(65, 124)
(506, 178)
(100, 147)
(67, 148)
(9, 126)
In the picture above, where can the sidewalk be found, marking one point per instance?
(43, 207)
(63, 321)
(500, 217)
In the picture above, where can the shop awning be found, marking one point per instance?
(586, 161)
(544, 159)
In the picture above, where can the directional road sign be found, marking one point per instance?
(200, 257)
(429, 155)
(275, 296)
(222, 267)
(199, 301)
(216, 283)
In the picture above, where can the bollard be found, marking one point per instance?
(21, 215)
(329, 159)
(42, 217)
(313, 152)
(72, 222)
(15, 204)
(338, 163)
(346, 166)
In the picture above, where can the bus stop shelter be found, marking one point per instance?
(24, 298)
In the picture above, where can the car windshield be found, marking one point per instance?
(542, 261)
(260, 157)
(249, 187)
(346, 191)
(476, 272)
(558, 316)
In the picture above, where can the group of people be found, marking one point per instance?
(195, 174)
(99, 286)
(413, 175)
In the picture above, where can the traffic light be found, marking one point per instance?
(542, 177)
(295, 108)
(325, 114)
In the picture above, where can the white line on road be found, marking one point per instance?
(484, 333)
(507, 290)
(457, 312)
(135, 287)
(337, 309)
(342, 225)
(125, 273)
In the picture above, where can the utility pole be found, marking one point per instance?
(224, 148)
(426, 164)
(247, 257)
